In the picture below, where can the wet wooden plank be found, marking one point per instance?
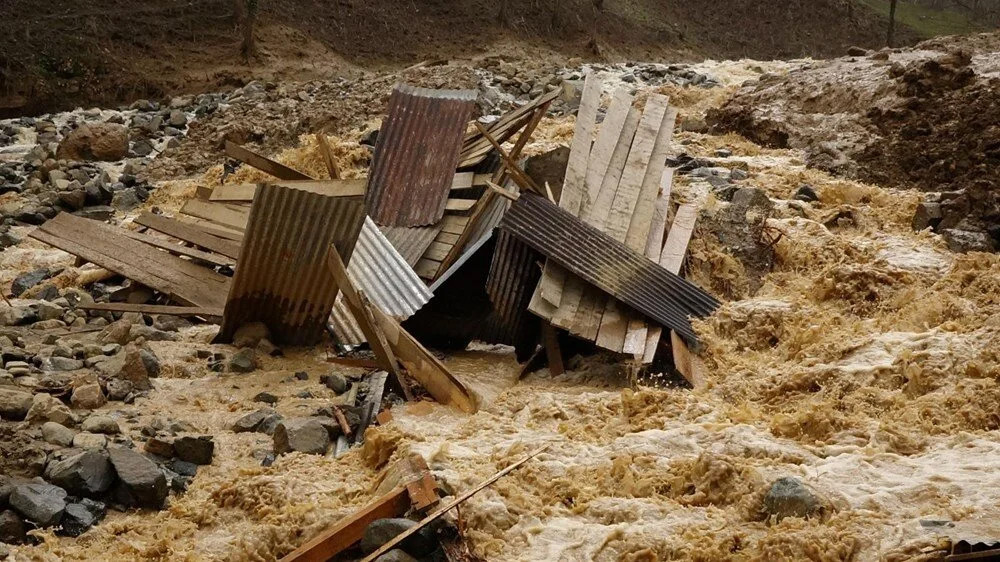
(213, 313)
(178, 250)
(244, 192)
(229, 215)
(263, 163)
(199, 236)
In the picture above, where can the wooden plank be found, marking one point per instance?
(550, 339)
(454, 224)
(550, 286)
(687, 364)
(203, 312)
(180, 279)
(427, 268)
(516, 172)
(609, 138)
(671, 258)
(230, 215)
(438, 251)
(262, 163)
(465, 237)
(423, 492)
(447, 238)
(178, 250)
(459, 205)
(449, 506)
(358, 362)
(190, 233)
(349, 530)
(214, 227)
(327, 153)
(654, 249)
(244, 192)
(373, 403)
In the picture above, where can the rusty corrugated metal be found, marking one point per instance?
(608, 264)
(416, 154)
(514, 272)
(378, 270)
(281, 275)
(411, 241)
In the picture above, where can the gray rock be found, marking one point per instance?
(12, 528)
(927, 215)
(167, 323)
(381, 531)
(142, 483)
(967, 240)
(43, 504)
(87, 440)
(251, 421)
(116, 332)
(14, 404)
(806, 193)
(177, 118)
(118, 389)
(126, 199)
(335, 382)
(25, 281)
(788, 497)
(142, 147)
(76, 520)
(45, 407)
(243, 361)
(150, 361)
(100, 424)
(196, 450)
(396, 555)
(85, 473)
(48, 311)
(184, 468)
(61, 364)
(18, 315)
(305, 435)
(57, 434)
(266, 398)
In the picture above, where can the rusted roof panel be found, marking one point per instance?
(281, 275)
(416, 155)
(514, 273)
(411, 241)
(378, 270)
(608, 264)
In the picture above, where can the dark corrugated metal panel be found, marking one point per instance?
(378, 270)
(514, 273)
(608, 264)
(411, 241)
(281, 275)
(416, 154)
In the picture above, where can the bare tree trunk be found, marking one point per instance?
(891, 35)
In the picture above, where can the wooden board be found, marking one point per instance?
(180, 279)
(654, 249)
(178, 250)
(263, 163)
(214, 313)
(688, 364)
(230, 215)
(244, 192)
(459, 205)
(201, 237)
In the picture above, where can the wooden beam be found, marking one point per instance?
(230, 215)
(450, 505)
(349, 530)
(178, 250)
(327, 153)
(201, 311)
(263, 163)
(516, 172)
(193, 234)
(550, 338)
(244, 192)
(459, 205)
(358, 362)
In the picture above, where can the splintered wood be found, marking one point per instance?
(620, 185)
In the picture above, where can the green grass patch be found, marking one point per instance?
(928, 22)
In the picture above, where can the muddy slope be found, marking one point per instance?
(58, 56)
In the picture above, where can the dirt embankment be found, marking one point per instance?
(58, 56)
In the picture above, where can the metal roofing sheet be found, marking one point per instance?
(411, 241)
(281, 275)
(378, 270)
(608, 264)
(514, 272)
(416, 154)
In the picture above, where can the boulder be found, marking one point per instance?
(95, 141)
(159, 447)
(57, 434)
(115, 332)
(266, 398)
(119, 389)
(45, 407)
(141, 482)
(100, 424)
(77, 519)
(305, 435)
(84, 473)
(43, 504)
(788, 497)
(261, 421)
(25, 281)
(14, 404)
(88, 396)
(87, 440)
(335, 382)
(18, 315)
(197, 450)
(12, 528)
(381, 531)
(128, 366)
(243, 361)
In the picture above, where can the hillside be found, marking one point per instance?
(57, 55)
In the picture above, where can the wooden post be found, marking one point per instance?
(550, 339)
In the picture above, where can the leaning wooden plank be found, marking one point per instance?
(180, 279)
(654, 249)
(450, 505)
(243, 192)
(412, 241)
(459, 205)
(608, 264)
(550, 339)
(550, 286)
(178, 250)
(348, 531)
(231, 215)
(327, 153)
(262, 163)
(687, 364)
(522, 179)
(190, 233)
(282, 278)
(672, 257)
(609, 139)
(199, 311)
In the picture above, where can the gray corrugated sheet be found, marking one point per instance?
(514, 272)
(410, 241)
(378, 270)
(416, 154)
(281, 275)
(608, 264)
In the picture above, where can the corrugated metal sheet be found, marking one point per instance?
(514, 273)
(378, 270)
(416, 155)
(281, 275)
(411, 241)
(608, 264)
